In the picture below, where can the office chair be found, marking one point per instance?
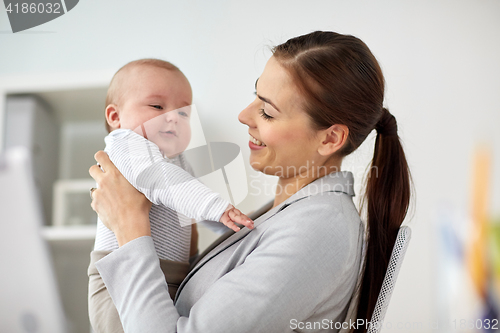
(397, 256)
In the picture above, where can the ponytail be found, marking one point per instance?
(386, 199)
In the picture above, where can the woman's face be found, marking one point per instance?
(282, 140)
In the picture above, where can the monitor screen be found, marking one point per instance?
(29, 300)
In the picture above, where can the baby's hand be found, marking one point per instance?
(232, 216)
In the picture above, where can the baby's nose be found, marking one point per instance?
(171, 116)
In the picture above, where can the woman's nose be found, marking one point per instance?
(246, 116)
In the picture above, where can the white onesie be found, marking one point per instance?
(176, 195)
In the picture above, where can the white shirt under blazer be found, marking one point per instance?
(296, 271)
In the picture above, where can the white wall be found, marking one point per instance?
(440, 59)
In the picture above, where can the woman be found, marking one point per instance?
(318, 98)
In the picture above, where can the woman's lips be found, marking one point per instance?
(253, 146)
(256, 141)
(256, 144)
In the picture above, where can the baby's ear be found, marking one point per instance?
(112, 116)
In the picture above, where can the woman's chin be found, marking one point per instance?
(255, 163)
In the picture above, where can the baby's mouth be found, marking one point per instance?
(257, 142)
(171, 133)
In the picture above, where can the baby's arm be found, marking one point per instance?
(142, 164)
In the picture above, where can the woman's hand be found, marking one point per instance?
(122, 208)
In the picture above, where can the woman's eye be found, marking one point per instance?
(158, 107)
(265, 115)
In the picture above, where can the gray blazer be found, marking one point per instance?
(296, 271)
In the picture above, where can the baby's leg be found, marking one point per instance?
(103, 315)
(175, 272)
(102, 311)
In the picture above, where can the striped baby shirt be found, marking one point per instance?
(176, 195)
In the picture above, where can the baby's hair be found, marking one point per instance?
(113, 95)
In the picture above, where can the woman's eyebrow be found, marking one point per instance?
(268, 102)
(263, 98)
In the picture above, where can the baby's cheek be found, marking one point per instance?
(154, 123)
(185, 135)
(157, 141)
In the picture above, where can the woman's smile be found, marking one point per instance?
(255, 144)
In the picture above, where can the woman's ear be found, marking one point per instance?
(113, 116)
(332, 139)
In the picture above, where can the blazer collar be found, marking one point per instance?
(342, 182)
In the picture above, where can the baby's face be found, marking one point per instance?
(156, 104)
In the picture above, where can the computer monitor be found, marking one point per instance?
(29, 298)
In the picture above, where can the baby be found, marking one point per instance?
(147, 115)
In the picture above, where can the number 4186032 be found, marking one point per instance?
(25, 8)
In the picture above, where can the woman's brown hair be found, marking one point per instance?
(342, 83)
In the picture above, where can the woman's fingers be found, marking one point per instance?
(103, 160)
(103, 163)
(96, 173)
(127, 215)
